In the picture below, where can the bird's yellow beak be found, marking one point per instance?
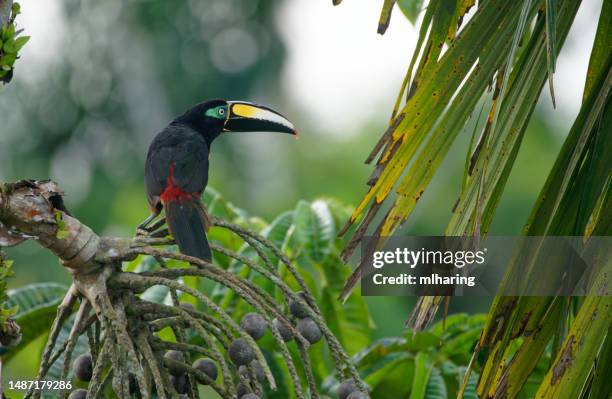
(243, 116)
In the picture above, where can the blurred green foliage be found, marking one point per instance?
(429, 364)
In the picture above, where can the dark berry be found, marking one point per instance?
(78, 394)
(207, 367)
(283, 330)
(241, 352)
(298, 309)
(257, 369)
(254, 324)
(176, 356)
(346, 388)
(179, 382)
(187, 306)
(241, 390)
(358, 395)
(309, 330)
(83, 367)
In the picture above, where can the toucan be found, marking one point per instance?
(176, 168)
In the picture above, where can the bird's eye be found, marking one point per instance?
(221, 111)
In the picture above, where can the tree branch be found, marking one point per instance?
(35, 210)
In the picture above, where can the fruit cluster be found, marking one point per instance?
(240, 352)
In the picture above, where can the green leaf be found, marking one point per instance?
(141, 264)
(485, 39)
(9, 32)
(82, 346)
(9, 47)
(34, 296)
(278, 233)
(36, 308)
(378, 350)
(218, 206)
(456, 323)
(20, 42)
(551, 42)
(388, 376)
(8, 60)
(411, 9)
(340, 211)
(529, 353)
(572, 366)
(598, 215)
(571, 157)
(314, 229)
(600, 386)
(470, 388)
(436, 387)
(423, 367)
(350, 322)
(579, 166)
(601, 48)
(156, 294)
(281, 376)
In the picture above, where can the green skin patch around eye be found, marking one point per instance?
(219, 112)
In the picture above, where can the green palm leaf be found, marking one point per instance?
(511, 47)
(36, 306)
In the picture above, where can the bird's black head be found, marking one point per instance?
(214, 117)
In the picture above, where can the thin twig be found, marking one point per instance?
(72, 340)
(63, 311)
(96, 383)
(149, 359)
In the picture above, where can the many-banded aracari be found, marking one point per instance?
(176, 169)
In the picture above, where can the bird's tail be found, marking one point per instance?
(187, 222)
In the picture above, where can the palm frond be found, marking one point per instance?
(511, 48)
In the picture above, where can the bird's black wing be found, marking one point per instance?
(182, 151)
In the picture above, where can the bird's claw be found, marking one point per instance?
(140, 232)
(162, 232)
(148, 227)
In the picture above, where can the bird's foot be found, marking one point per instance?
(146, 229)
(163, 232)
(142, 232)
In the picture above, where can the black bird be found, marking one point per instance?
(176, 169)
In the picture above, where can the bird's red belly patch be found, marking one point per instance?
(172, 192)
